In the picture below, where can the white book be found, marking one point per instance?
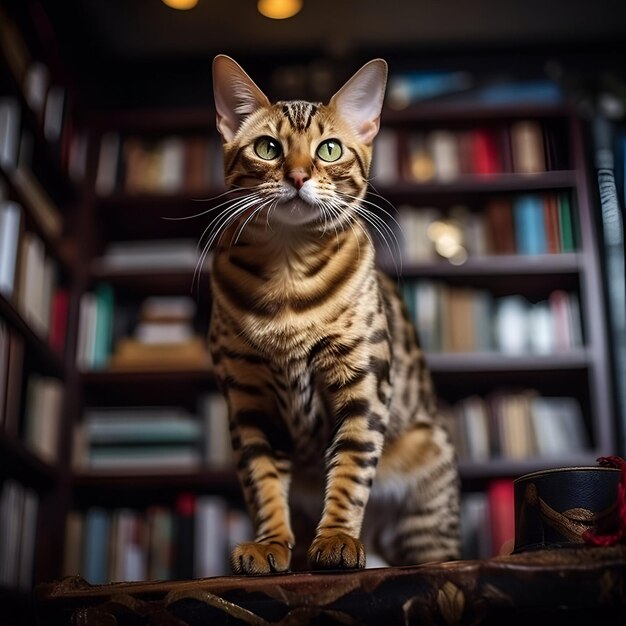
(10, 220)
(218, 447)
(164, 333)
(444, 149)
(540, 334)
(10, 124)
(46, 443)
(210, 541)
(476, 428)
(511, 324)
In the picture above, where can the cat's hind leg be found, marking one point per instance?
(417, 495)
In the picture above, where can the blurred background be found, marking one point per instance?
(497, 184)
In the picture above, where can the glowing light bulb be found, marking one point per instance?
(181, 5)
(279, 9)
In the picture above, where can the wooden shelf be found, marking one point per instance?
(143, 489)
(49, 361)
(19, 462)
(179, 387)
(493, 183)
(486, 362)
(515, 264)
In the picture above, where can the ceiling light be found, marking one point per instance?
(279, 9)
(181, 5)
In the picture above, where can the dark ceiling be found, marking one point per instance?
(122, 48)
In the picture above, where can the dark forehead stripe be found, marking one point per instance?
(299, 113)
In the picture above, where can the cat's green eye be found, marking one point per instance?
(330, 150)
(267, 148)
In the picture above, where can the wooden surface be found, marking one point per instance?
(569, 586)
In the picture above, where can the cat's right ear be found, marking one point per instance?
(236, 95)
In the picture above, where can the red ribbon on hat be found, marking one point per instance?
(619, 536)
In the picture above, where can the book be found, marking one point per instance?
(35, 87)
(58, 320)
(13, 400)
(10, 133)
(73, 544)
(10, 227)
(217, 446)
(160, 538)
(444, 150)
(28, 541)
(131, 354)
(210, 551)
(530, 234)
(485, 152)
(95, 558)
(527, 147)
(103, 329)
(42, 416)
(511, 324)
(4, 369)
(499, 217)
(475, 535)
(184, 513)
(566, 224)
(502, 516)
(552, 226)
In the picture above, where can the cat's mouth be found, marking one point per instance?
(295, 212)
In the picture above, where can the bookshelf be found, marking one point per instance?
(91, 221)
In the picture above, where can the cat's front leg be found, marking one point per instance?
(352, 457)
(264, 470)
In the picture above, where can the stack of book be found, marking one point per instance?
(525, 224)
(465, 319)
(164, 338)
(18, 535)
(139, 439)
(150, 439)
(518, 426)
(168, 165)
(191, 539)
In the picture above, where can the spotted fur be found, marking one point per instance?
(313, 347)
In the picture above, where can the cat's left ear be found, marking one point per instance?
(360, 100)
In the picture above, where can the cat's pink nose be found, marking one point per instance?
(298, 178)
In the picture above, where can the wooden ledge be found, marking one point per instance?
(549, 586)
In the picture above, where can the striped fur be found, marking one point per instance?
(312, 345)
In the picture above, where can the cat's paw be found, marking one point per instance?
(338, 551)
(260, 558)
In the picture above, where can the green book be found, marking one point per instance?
(566, 225)
(104, 325)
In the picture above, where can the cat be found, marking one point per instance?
(312, 345)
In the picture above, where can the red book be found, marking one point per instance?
(58, 320)
(501, 516)
(551, 220)
(485, 153)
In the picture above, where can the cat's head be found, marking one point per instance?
(304, 163)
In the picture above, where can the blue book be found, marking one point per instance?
(96, 546)
(530, 233)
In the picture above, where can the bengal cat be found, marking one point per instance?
(313, 348)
